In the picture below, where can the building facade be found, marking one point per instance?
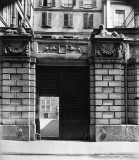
(63, 85)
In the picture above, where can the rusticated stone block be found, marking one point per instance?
(115, 121)
(133, 108)
(119, 114)
(108, 66)
(8, 108)
(32, 71)
(117, 133)
(102, 121)
(16, 76)
(101, 83)
(6, 115)
(98, 66)
(15, 114)
(9, 82)
(22, 70)
(102, 108)
(16, 101)
(9, 95)
(16, 65)
(114, 96)
(25, 76)
(15, 132)
(5, 101)
(16, 89)
(6, 64)
(101, 95)
(6, 89)
(107, 78)
(98, 77)
(8, 122)
(108, 102)
(9, 70)
(101, 71)
(22, 95)
(116, 108)
(108, 114)
(6, 76)
(108, 90)
(131, 115)
(114, 83)
(98, 115)
(114, 71)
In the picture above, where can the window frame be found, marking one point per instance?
(41, 3)
(46, 20)
(87, 21)
(93, 4)
(122, 25)
(69, 21)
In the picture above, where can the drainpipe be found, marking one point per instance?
(125, 79)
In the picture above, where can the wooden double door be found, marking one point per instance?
(71, 85)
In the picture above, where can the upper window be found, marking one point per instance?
(68, 3)
(47, 3)
(87, 3)
(88, 20)
(68, 19)
(28, 9)
(119, 20)
(46, 19)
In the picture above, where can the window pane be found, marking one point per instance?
(85, 20)
(87, 3)
(44, 2)
(91, 20)
(119, 17)
(66, 20)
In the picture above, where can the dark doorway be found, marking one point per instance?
(71, 85)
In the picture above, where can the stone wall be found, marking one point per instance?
(18, 98)
(114, 111)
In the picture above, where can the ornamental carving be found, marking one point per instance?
(16, 48)
(74, 47)
(51, 48)
(62, 48)
(109, 50)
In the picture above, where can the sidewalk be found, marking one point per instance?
(52, 147)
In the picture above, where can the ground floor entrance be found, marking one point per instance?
(63, 102)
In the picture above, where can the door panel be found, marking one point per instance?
(76, 106)
(71, 85)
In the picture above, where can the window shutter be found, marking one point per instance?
(40, 2)
(90, 18)
(49, 18)
(85, 20)
(66, 20)
(71, 20)
(53, 3)
(94, 3)
(44, 19)
(44, 2)
(81, 3)
(74, 2)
